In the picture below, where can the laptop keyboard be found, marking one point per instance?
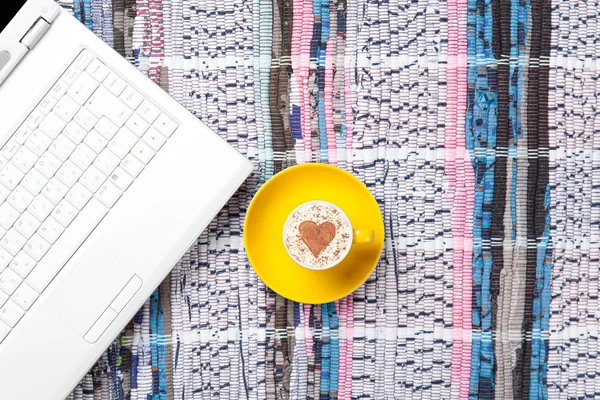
(63, 169)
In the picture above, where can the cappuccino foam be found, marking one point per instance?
(308, 235)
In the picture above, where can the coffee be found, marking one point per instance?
(317, 235)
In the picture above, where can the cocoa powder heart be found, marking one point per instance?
(316, 237)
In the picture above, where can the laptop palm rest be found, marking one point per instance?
(88, 291)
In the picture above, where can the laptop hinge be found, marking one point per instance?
(35, 33)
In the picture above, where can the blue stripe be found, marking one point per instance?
(335, 350)
(157, 346)
(295, 123)
(481, 141)
(325, 352)
(82, 9)
(322, 8)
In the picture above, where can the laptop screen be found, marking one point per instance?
(8, 12)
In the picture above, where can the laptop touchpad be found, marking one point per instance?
(89, 290)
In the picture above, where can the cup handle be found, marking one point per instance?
(363, 236)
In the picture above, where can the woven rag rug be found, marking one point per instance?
(474, 123)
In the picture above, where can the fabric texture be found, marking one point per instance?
(472, 122)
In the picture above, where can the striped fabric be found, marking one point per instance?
(472, 122)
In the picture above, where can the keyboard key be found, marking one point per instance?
(8, 215)
(78, 196)
(27, 224)
(83, 88)
(34, 120)
(121, 178)
(10, 149)
(48, 165)
(137, 125)
(107, 161)
(13, 242)
(36, 247)
(104, 104)
(11, 313)
(75, 132)
(59, 89)
(165, 125)
(131, 97)
(92, 179)
(38, 142)
(154, 139)
(84, 59)
(86, 119)
(69, 173)
(132, 165)
(143, 152)
(148, 111)
(122, 143)
(109, 194)
(46, 105)
(62, 148)
(106, 128)
(95, 141)
(65, 213)
(97, 70)
(9, 281)
(64, 247)
(50, 181)
(40, 207)
(53, 125)
(71, 75)
(55, 190)
(10, 176)
(22, 264)
(22, 134)
(34, 181)
(24, 159)
(66, 108)
(51, 230)
(115, 84)
(20, 198)
(83, 156)
(25, 296)
(5, 259)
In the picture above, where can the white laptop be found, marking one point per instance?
(105, 182)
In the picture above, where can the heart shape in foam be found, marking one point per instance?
(316, 237)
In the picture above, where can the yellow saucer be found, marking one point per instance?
(266, 217)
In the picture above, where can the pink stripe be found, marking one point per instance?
(302, 25)
(308, 339)
(461, 182)
(329, 123)
(307, 30)
(296, 36)
(341, 308)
